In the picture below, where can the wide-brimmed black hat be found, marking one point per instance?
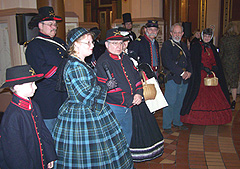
(152, 23)
(114, 34)
(95, 32)
(74, 34)
(20, 74)
(45, 13)
(127, 17)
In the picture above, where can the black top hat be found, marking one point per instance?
(95, 31)
(45, 13)
(20, 74)
(127, 17)
(114, 34)
(152, 23)
(74, 34)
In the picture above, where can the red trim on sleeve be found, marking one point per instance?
(138, 83)
(51, 72)
(115, 90)
(100, 79)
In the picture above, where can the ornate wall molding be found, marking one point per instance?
(227, 10)
(202, 16)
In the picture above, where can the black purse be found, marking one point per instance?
(162, 76)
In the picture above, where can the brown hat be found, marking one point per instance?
(19, 75)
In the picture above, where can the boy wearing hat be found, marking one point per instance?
(146, 47)
(127, 23)
(45, 53)
(127, 90)
(25, 141)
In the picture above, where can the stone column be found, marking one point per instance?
(171, 15)
(59, 9)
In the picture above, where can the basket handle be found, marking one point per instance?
(144, 79)
(214, 75)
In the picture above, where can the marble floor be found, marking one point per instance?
(200, 147)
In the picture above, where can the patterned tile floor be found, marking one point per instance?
(200, 147)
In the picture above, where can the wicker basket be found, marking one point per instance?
(149, 90)
(211, 81)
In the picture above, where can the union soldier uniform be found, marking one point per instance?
(143, 48)
(25, 141)
(44, 54)
(45, 57)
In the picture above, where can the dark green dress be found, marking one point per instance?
(230, 56)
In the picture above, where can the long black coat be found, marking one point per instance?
(195, 80)
(25, 141)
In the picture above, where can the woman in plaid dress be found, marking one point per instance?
(87, 134)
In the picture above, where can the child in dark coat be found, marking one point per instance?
(25, 141)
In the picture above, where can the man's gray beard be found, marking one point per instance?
(148, 35)
(176, 40)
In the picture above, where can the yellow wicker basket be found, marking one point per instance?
(211, 81)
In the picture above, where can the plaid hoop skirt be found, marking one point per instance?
(87, 134)
(85, 139)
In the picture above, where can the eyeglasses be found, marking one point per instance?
(115, 43)
(50, 24)
(88, 43)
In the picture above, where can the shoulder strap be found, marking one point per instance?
(52, 41)
(175, 44)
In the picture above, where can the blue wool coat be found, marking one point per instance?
(174, 60)
(126, 75)
(143, 48)
(45, 58)
(25, 141)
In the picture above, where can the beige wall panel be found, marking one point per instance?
(157, 9)
(146, 8)
(6, 4)
(143, 8)
(76, 6)
(213, 17)
(126, 7)
(136, 9)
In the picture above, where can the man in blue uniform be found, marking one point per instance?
(44, 53)
(146, 47)
(127, 91)
(175, 59)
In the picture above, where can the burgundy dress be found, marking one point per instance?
(210, 106)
